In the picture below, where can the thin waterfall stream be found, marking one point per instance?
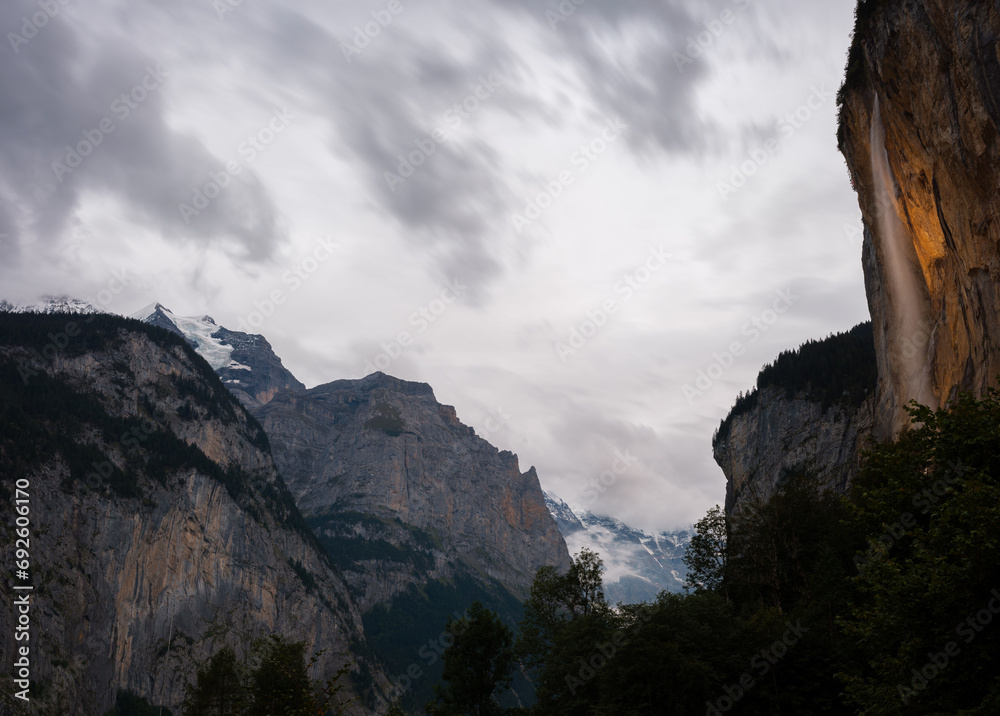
(910, 326)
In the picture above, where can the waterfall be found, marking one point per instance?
(909, 331)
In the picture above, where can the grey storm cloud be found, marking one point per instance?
(79, 116)
(653, 90)
(383, 105)
(383, 109)
(358, 118)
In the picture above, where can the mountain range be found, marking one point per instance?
(638, 565)
(415, 515)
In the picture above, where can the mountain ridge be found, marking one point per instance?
(638, 565)
(161, 529)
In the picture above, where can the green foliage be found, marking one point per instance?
(407, 632)
(706, 553)
(883, 602)
(304, 575)
(272, 681)
(42, 417)
(930, 503)
(565, 618)
(756, 636)
(347, 551)
(784, 551)
(839, 370)
(477, 665)
(388, 420)
(130, 704)
(220, 687)
(280, 684)
(674, 658)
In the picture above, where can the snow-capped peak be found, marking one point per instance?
(198, 331)
(637, 565)
(51, 304)
(144, 313)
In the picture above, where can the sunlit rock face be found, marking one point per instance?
(924, 81)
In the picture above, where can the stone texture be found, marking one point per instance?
(267, 375)
(385, 448)
(933, 64)
(782, 436)
(115, 577)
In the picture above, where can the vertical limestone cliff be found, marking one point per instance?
(785, 436)
(160, 529)
(811, 415)
(920, 109)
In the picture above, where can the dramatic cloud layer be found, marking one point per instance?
(573, 210)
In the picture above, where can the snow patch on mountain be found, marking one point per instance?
(638, 565)
(198, 331)
(52, 304)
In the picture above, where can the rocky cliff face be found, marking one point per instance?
(811, 413)
(420, 515)
(381, 459)
(160, 529)
(919, 128)
(785, 436)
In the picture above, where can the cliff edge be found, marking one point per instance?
(920, 108)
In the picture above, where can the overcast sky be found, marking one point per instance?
(570, 210)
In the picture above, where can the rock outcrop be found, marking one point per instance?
(784, 436)
(160, 529)
(921, 105)
(246, 362)
(380, 458)
(419, 515)
(811, 414)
